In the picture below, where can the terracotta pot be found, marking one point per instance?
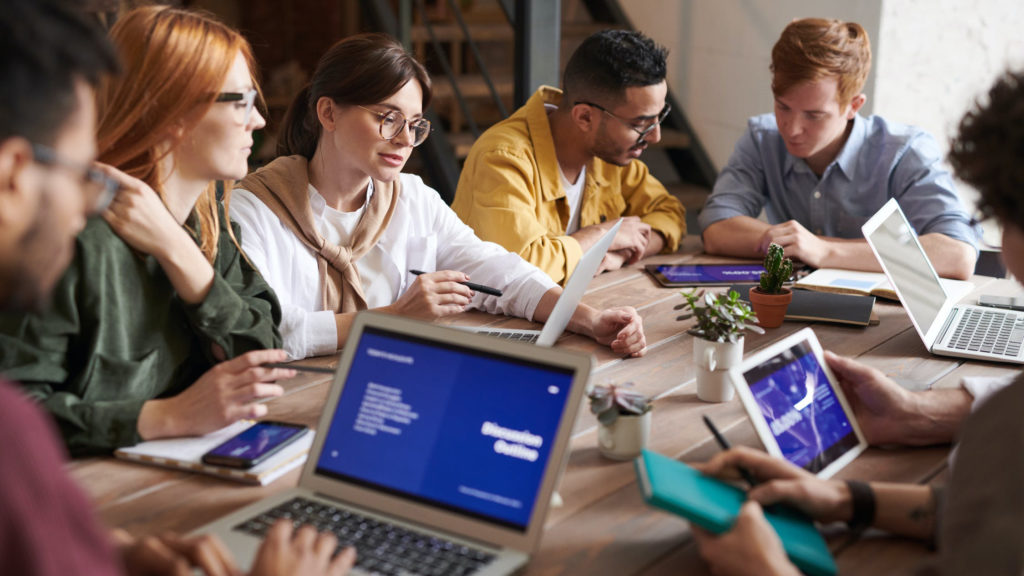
(770, 308)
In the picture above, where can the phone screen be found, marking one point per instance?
(254, 443)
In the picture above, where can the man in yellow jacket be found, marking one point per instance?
(548, 181)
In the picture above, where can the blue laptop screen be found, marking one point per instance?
(461, 429)
(797, 401)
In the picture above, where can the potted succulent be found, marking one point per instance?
(771, 298)
(722, 320)
(624, 420)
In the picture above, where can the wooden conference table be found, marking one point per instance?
(604, 527)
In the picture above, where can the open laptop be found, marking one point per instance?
(437, 451)
(567, 302)
(947, 328)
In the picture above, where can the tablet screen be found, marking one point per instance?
(799, 405)
(711, 273)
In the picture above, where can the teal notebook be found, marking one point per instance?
(713, 505)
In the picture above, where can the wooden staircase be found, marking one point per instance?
(474, 78)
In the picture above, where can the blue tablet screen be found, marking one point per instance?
(801, 408)
(712, 273)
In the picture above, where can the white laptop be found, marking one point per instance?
(947, 328)
(437, 451)
(796, 405)
(567, 302)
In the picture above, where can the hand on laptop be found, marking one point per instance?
(228, 392)
(304, 551)
(433, 295)
(750, 547)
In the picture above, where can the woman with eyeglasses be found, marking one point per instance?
(336, 227)
(160, 326)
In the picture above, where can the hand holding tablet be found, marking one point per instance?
(797, 406)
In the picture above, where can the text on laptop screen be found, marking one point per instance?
(801, 409)
(456, 428)
(909, 270)
(712, 273)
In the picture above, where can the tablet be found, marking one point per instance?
(673, 275)
(797, 407)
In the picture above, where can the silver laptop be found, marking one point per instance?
(567, 302)
(947, 328)
(437, 451)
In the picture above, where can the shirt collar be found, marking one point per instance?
(845, 160)
(543, 142)
(318, 205)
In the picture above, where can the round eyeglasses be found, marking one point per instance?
(392, 123)
(642, 130)
(100, 187)
(245, 101)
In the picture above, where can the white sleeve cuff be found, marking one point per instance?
(982, 387)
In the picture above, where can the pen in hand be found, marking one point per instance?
(301, 367)
(475, 287)
(725, 446)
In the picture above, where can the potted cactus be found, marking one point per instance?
(771, 298)
(722, 321)
(624, 420)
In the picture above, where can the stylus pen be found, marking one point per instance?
(301, 367)
(470, 285)
(725, 446)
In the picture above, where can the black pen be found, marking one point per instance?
(470, 285)
(725, 446)
(301, 367)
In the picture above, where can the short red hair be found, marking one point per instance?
(812, 49)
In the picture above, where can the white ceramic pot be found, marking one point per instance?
(713, 361)
(624, 438)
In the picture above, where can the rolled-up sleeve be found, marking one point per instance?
(740, 189)
(927, 194)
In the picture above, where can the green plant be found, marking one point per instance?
(608, 402)
(721, 318)
(777, 270)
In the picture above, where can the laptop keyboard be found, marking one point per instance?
(515, 336)
(381, 547)
(989, 331)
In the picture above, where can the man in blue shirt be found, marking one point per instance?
(819, 170)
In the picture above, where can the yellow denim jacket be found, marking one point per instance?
(510, 192)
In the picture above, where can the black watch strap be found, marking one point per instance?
(863, 499)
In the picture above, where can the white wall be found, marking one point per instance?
(937, 56)
(720, 51)
(931, 58)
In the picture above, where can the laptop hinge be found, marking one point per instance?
(948, 323)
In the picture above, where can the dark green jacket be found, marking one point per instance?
(117, 335)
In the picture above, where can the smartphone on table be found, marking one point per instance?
(1008, 302)
(255, 444)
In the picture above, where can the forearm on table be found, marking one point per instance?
(950, 257)
(737, 236)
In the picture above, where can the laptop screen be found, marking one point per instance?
(797, 401)
(461, 429)
(909, 269)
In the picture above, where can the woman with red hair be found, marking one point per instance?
(160, 325)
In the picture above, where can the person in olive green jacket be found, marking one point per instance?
(159, 326)
(549, 181)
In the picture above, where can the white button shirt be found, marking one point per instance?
(423, 234)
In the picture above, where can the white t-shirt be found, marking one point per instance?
(574, 197)
(423, 234)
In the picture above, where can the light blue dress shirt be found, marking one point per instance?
(880, 160)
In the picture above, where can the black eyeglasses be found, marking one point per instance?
(101, 187)
(392, 123)
(642, 131)
(245, 101)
